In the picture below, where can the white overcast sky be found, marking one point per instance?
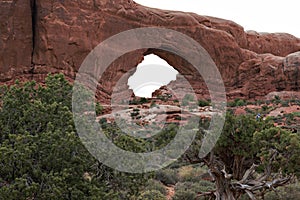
(258, 15)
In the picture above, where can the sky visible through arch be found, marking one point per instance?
(150, 75)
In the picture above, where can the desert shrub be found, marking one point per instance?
(206, 186)
(284, 103)
(184, 102)
(268, 102)
(289, 118)
(291, 192)
(143, 100)
(185, 173)
(134, 101)
(189, 190)
(103, 121)
(184, 195)
(259, 102)
(153, 104)
(156, 185)
(203, 103)
(135, 113)
(167, 176)
(196, 187)
(237, 102)
(276, 99)
(296, 114)
(42, 156)
(240, 102)
(231, 104)
(264, 108)
(152, 195)
(250, 103)
(163, 97)
(137, 101)
(189, 173)
(99, 109)
(249, 111)
(186, 99)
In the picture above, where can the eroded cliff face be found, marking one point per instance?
(16, 40)
(38, 37)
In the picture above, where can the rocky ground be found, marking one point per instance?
(163, 108)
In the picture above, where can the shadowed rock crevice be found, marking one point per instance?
(34, 27)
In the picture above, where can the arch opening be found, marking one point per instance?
(151, 74)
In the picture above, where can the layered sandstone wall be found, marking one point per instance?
(38, 37)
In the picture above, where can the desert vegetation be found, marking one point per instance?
(42, 157)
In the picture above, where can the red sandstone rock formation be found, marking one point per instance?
(16, 41)
(38, 37)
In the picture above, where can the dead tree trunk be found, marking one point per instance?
(228, 188)
(222, 180)
(223, 190)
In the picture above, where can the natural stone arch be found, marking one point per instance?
(117, 70)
